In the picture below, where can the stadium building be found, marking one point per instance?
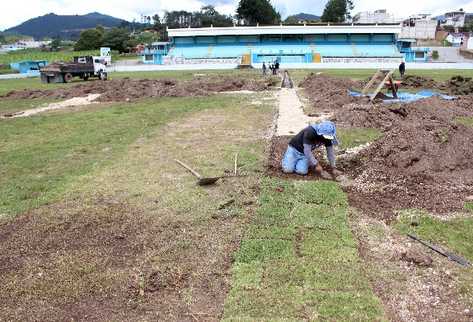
(286, 44)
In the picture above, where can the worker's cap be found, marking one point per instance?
(328, 130)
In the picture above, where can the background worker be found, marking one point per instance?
(299, 157)
(402, 69)
(264, 68)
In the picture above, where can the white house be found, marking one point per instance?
(455, 19)
(377, 16)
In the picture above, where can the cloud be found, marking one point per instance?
(15, 12)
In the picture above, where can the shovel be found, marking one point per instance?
(201, 181)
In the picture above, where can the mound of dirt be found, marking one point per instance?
(422, 161)
(328, 92)
(459, 85)
(131, 89)
(414, 81)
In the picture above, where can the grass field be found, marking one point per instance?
(99, 221)
(35, 54)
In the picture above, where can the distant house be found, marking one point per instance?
(420, 27)
(24, 44)
(456, 39)
(377, 16)
(454, 19)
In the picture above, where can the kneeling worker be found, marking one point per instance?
(299, 157)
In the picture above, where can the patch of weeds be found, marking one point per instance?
(299, 260)
(469, 206)
(467, 121)
(352, 137)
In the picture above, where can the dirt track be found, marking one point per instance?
(422, 161)
(127, 89)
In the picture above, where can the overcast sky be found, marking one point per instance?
(16, 11)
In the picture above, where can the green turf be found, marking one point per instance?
(15, 105)
(353, 137)
(41, 155)
(36, 54)
(299, 260)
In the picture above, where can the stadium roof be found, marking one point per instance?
(287, 30)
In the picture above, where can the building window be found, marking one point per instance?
(419, 55)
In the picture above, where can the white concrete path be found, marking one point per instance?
(291, 117)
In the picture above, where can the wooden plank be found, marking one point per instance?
(381, 85)
(370, 83)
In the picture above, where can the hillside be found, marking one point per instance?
(63, 26)
(304, 17)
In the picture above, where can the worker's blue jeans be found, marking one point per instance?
(295, 161)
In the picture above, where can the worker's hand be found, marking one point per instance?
(335, 172)
(318, 169)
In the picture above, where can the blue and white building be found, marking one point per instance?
(286, 44)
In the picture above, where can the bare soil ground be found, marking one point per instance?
(127, 89)
(422, 161)
(413, 283)
(139, 240)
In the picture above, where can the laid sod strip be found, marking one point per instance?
(299, 259)
(41, 155)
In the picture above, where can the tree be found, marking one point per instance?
(90, 39)
(117, 39)
(208, 16)
(55, 44)
(147, 37)
(337, 11)
(258, 11)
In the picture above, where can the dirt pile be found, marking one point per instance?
(422, 161)
(131, 89)
(459, 85)
(414, 81)
(328, 92)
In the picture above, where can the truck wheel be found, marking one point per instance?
(67, 78)
(85, 77)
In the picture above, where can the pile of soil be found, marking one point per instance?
(414, 81)
(422, 161)
(131, 89)
(328, 92)
(459, 85)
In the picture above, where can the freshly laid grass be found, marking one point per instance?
(41, 155)
(299, 260)
(353, 137)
